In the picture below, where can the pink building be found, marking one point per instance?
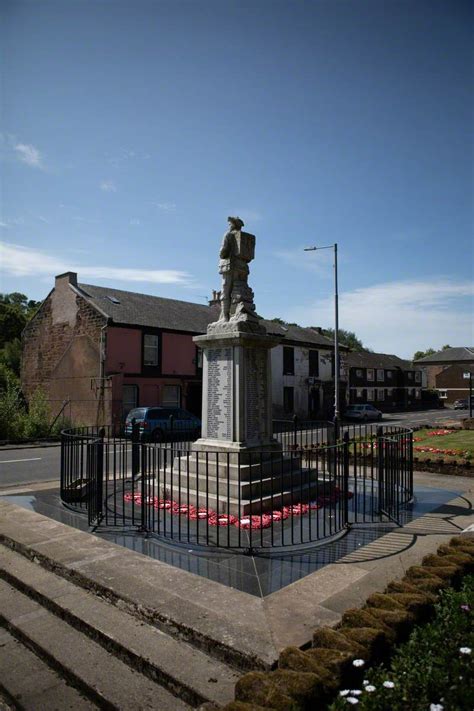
(98, 352)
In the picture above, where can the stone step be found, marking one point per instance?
(28, 683)
(197, 678)
(245, 506)
(260, 486)
(99, 675)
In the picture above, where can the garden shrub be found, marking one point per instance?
(327, 638)
(298, 660)
(432, 671)
(282, 689)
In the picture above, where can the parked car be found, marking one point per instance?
(461, 404)
(160, 424)
(362, 412)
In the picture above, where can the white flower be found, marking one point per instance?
(370, 687)
(465, 650)
(436, 707)
(352, 700)
(365, 682)
(344, 693)
(358, 662)
(388, 684)
(356, 692)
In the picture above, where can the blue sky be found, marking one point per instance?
(131, 130)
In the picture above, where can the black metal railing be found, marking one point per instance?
(311, 489)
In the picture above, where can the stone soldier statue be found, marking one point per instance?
(237, 250)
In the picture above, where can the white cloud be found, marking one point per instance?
(166, 206)
(400, 317)
(17, 260)
(28, 154)
(108, 186)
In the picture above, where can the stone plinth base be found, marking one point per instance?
(214, 482)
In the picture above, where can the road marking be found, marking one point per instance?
(12, 461)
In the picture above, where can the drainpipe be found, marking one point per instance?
(102, 354)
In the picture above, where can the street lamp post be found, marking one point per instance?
(336, 332)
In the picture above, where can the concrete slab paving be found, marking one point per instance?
(252, 629)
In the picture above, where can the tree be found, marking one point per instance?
(423, 354)
(12, 323)
(346, 338)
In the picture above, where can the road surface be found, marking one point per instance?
(25, 465)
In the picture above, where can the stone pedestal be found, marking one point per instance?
(237, 406)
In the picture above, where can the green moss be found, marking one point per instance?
(459, 560)
(399, 622)
(461, 541)
(298, 660)
(384, 601)
(445, 572)
(373, 640)
(363, 618)
(399, 586)
(283, 689)
(257, 688)
(327, 638)
(244, 706)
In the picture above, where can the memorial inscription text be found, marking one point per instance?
(219, 393)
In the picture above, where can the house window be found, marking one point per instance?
(380, 375)
(288, 360)
(443, 394)
(359, 373)
(199, 358)
(410, 375)
(389, 392)
(359, 393)
(389, 374)
(288, 399)
(370, 394)
(129, 398)
(380, 394)
(171, 396)
(370, 374)
(150, 349)
(314, 364)
(418, 376)
(418, 393)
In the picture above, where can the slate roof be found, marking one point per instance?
(146, 310)
(158, 312)
(450, 355)
(364, 359)
(299, 334)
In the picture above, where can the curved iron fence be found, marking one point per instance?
(312, 489)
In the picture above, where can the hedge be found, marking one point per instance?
(308, 679)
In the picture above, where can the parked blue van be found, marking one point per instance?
(159, 424)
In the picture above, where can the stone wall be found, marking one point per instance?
(61, 353)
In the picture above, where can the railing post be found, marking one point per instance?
(144, 526)
(135, 448)
(100, 473)
(345, 476)
(380, 466)
(295, 431)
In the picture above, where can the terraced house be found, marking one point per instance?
(97, 352)
(386, 381)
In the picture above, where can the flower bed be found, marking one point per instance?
(340, 658)
(245, 522)
(432, 671)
